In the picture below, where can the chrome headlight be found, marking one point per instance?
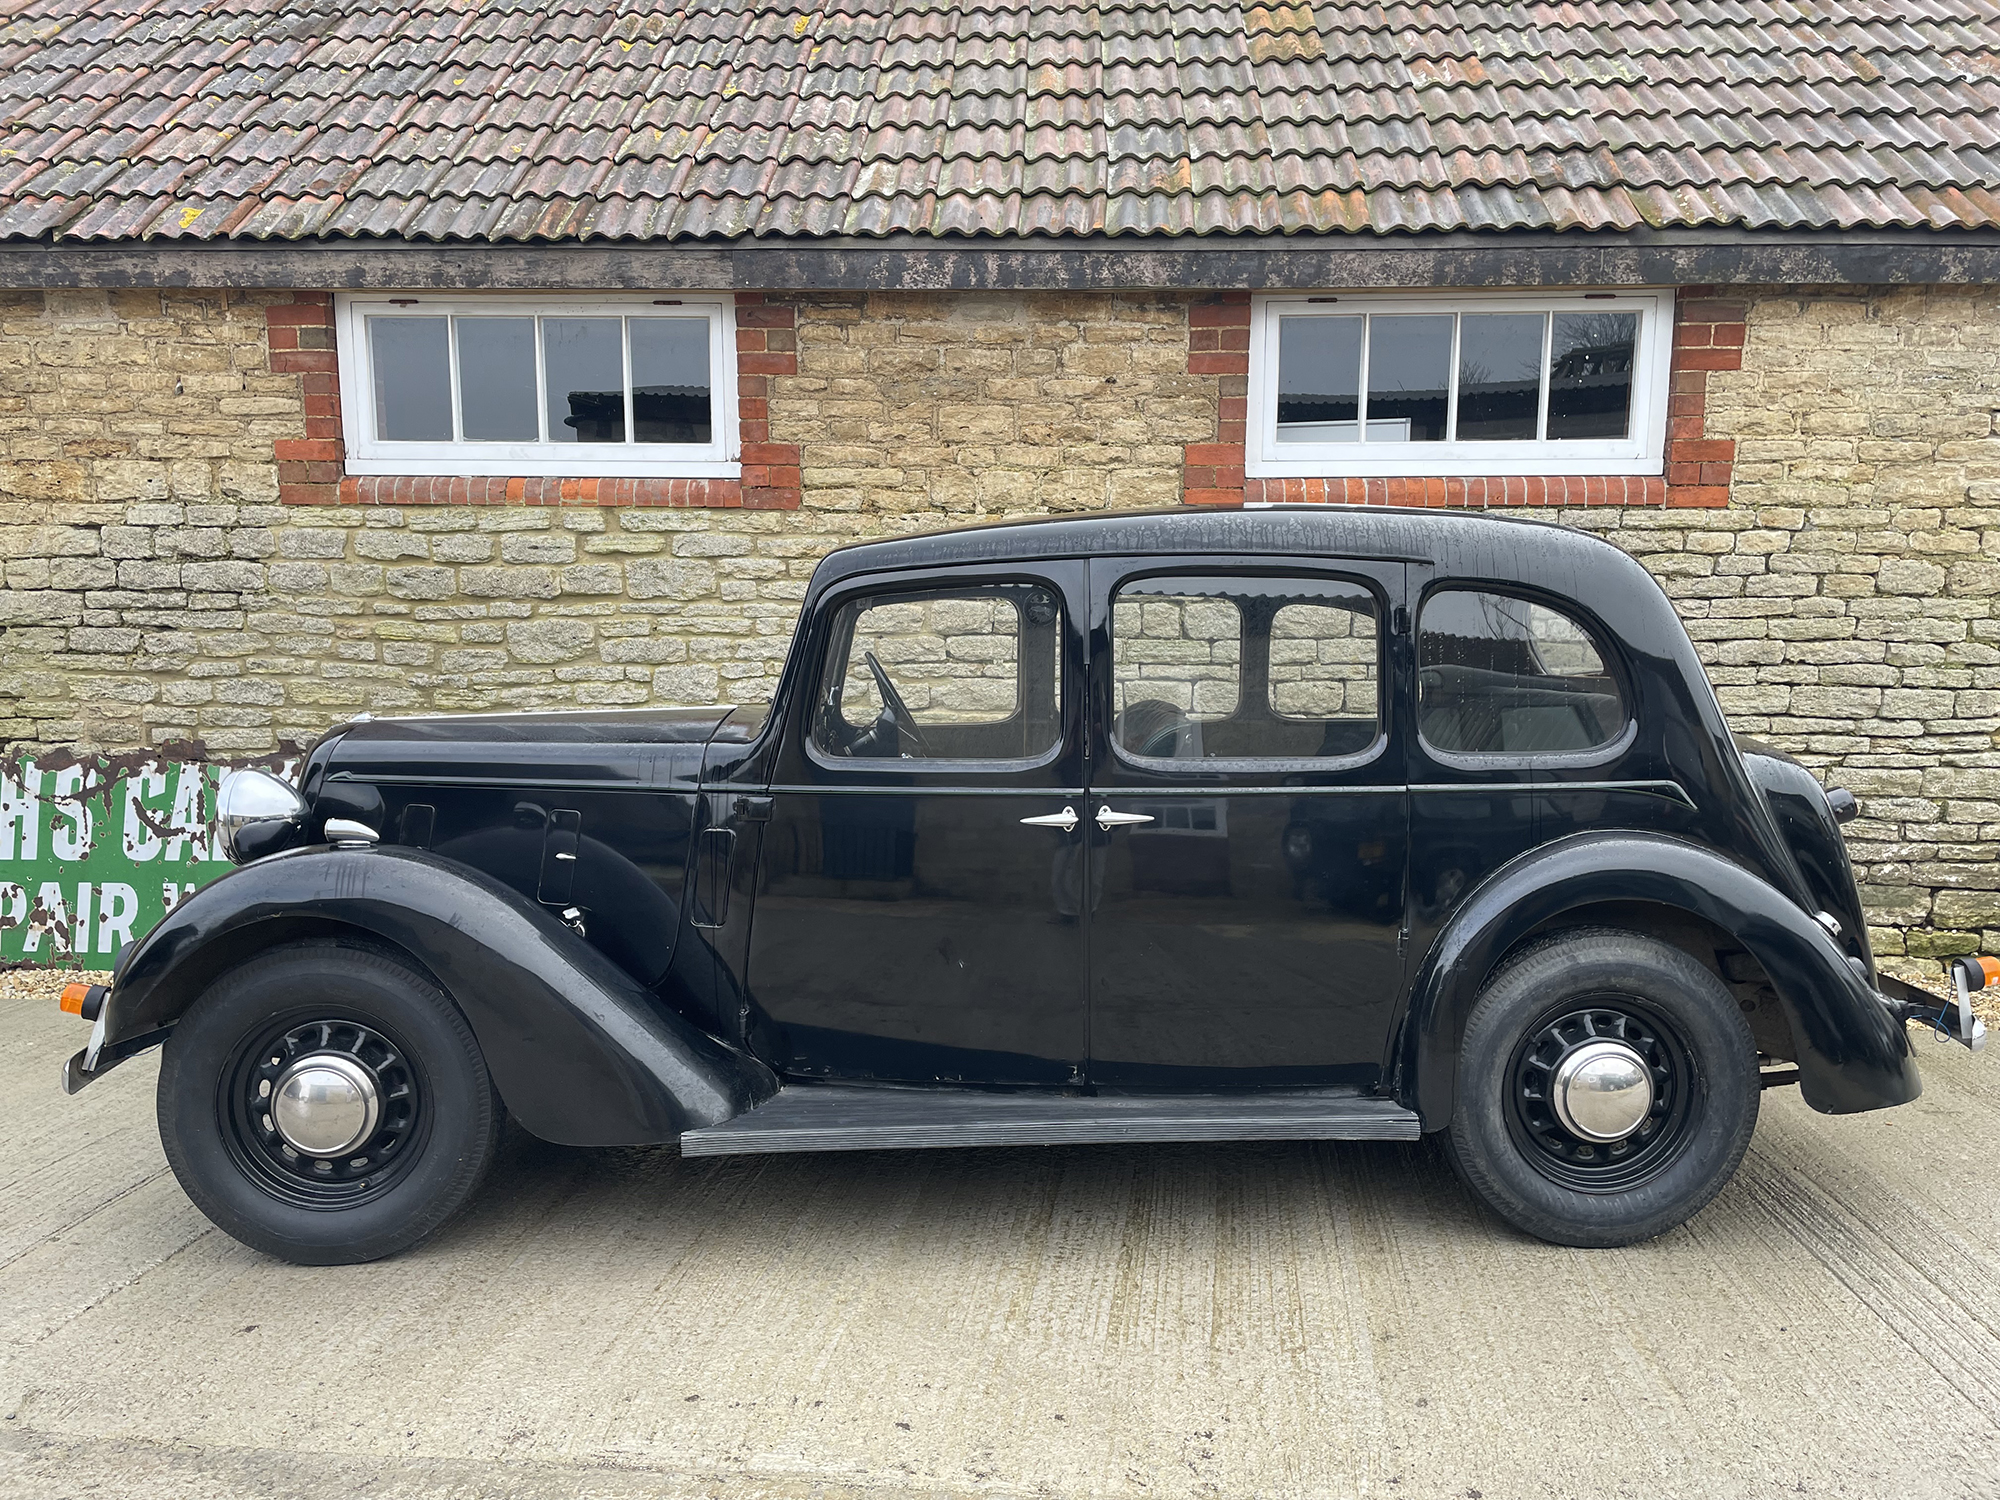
(255, 800)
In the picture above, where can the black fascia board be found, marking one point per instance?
(1665, 257)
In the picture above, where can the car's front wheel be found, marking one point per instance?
(1607, 1089)
(327, 1104)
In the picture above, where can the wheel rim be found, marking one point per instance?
(1602, 1097)
(324, 1112)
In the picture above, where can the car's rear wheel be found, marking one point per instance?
(326, 1104)
(1607, 1089)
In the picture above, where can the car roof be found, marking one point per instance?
(1461, 543)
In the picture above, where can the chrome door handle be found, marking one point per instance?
(1066, 820)
(1108, 820)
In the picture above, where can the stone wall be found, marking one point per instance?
(157, 592)
(1845, 601)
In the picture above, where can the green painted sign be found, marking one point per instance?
(94, 852)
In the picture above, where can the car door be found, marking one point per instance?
(917, 911)
(1248, 820)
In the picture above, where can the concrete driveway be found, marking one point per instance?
(1160, 1321)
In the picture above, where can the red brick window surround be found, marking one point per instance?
(311, 472)
(1708, 335)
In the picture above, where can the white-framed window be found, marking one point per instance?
(1489, 383)
(575, 386)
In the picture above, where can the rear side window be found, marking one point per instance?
(1499, 675)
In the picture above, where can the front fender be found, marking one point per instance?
(1853, 1054)
(581, 1053)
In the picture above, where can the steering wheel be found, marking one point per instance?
(893, 701)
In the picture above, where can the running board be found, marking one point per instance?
(828, 1117)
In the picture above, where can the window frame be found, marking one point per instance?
(1219, 569)
(720, 458)
(1609, 651)
(867, 591)
(1642, 453)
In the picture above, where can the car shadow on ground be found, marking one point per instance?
(1342, 1189)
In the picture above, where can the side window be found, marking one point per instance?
(1499, 675)
(1244, 668)
(943, 674)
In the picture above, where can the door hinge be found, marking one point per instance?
(753, 809)
(1402, 943)
(1399, 621)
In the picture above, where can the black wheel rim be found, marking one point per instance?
(359, 1175)
(1596, 1166)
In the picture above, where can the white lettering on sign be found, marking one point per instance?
(141, 839)
(117, 910)
(21, 813)
(50, 916)
(74, 831)
(189, 818)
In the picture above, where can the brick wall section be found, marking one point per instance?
(1846, 600)
(300, 329)
(1219, 346)
(767, 346)
(1708, 335)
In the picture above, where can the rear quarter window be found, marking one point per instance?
(1501, 675)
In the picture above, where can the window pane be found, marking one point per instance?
(411, 359)
(585, 365)
(1176, 666)
(1409, 373)
(1590, 374)
(977, 671)
(496, 379)
(1319, 379)
(1499, 376)
(670, 395)
(1504, 676)
(1323, 668)
(1182, 648)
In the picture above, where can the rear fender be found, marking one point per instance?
(1853, 1053)
(581, 1053)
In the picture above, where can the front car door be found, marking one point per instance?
(909, 925)
(1248, 821)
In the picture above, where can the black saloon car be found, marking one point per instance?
(1310, 823)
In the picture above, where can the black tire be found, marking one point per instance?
(440, 1118)
(1508, 1145)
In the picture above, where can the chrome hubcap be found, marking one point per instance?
(1602, 1091)
(325, 1104)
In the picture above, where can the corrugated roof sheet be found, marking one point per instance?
(595, 119)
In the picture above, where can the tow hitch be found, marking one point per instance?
(1952, 1018)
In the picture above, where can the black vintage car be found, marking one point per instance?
(1308, 823)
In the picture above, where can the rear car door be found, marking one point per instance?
(1248, 821)
(910, 925)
